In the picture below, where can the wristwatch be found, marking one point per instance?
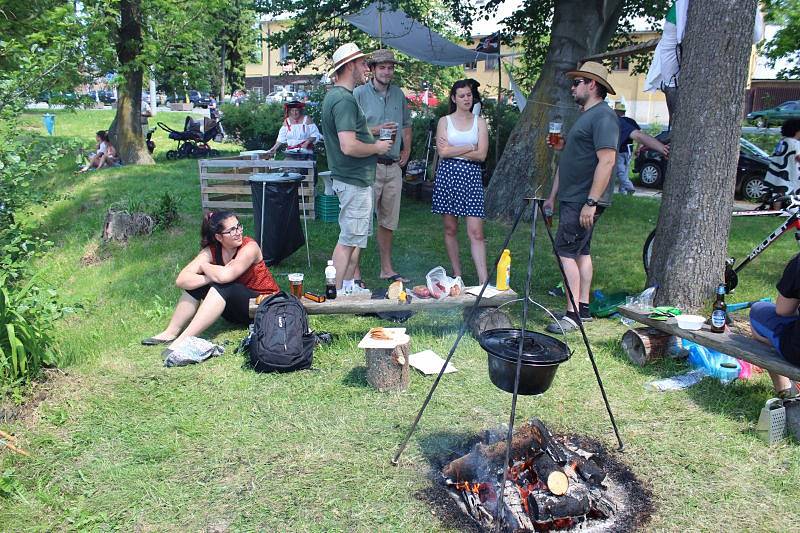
(591, 202)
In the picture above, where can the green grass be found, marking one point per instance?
(120, 442)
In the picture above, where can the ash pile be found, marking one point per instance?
(552, 484)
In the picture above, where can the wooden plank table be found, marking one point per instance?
(489, 316)
(733, 344)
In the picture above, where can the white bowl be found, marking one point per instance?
(690, 321)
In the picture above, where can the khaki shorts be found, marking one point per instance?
(355, 214)
(387, 190)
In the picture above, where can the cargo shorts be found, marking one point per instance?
(572, 239)
(388, 189)
(355, 213)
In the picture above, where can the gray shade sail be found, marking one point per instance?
(401, 32)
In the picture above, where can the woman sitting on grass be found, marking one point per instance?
(105, 155)
(220, 281)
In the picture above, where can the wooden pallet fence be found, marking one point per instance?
(224, 183)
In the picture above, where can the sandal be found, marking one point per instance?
(397, 277)
(152, 341)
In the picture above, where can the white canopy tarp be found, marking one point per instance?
(401, 32)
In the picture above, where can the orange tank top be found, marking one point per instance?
(257, 277)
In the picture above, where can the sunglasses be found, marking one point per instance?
(236, 229)
(578, 81)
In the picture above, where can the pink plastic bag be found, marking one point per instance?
(748, 369)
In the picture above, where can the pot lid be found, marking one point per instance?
(275, 177)
(538, 348)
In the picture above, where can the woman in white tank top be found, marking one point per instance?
(462, 141)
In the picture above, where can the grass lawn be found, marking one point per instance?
(120, 442)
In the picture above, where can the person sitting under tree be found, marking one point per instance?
(778, 324)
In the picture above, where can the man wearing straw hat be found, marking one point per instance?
(386, 108)
(582, 184)
(352, 155)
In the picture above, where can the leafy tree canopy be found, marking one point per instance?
(786, 42)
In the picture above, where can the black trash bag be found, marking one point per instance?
(282, 233)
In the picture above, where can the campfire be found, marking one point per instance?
(552, 484)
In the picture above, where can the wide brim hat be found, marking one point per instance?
(593, 71)
(294, 103)
(343, 55)
(382, 56)
(619, 106)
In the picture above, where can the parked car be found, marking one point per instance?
(775, 115)
(197, 98)
(281, 96)
(104, 96)
(750, 171)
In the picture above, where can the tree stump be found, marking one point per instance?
(119, 225)
(387, 368)
(645, 345)
(487, 318)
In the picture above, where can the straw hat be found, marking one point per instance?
(381, 56)
(343, 55)
(593, 71)
(619, 106)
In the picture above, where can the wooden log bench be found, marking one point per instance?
(488, 316)
(739, 346)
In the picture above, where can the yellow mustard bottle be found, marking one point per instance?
(504, 271)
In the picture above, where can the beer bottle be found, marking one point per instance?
(719, 312)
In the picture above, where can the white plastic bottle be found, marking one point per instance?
(330, 281)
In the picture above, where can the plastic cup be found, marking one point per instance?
(554, 133)
(296, 284)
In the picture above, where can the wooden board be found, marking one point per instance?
(224, 183)
(357, 306)
(739, 346)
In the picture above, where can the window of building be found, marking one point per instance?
(620, 63)
(471, 66)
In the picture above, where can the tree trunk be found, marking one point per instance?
(126, 129)
(527, 164)
(690, 246)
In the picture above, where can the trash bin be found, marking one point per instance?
(277, 214)
(49, 122)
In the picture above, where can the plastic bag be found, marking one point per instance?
(715, 364)
(193, 350)
(441, 285)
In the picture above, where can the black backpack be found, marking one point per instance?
(281, 340)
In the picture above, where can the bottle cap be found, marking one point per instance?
(330, 262)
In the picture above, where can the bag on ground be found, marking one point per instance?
(281, 340)
(192, 350)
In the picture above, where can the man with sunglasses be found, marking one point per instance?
(582, 185)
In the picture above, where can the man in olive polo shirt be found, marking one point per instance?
(386, 107)
(352, 154)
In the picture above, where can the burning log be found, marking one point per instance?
(551, 474)
(516, 509)
(473, 465)
(548, 507)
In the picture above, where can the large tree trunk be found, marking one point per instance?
(579, 29)
(690, 246)
(126, 129)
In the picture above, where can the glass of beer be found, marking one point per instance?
(385, 134)
(296, 284)
(554, 134)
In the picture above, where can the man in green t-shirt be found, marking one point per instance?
(352, 155)
(583, 185)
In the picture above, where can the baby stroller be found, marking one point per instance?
(193, 140)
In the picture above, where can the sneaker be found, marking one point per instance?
(584, 319)
(565, 324)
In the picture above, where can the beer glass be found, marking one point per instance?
(554, 134)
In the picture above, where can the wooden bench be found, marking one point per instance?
(487, 317)
(739, 346)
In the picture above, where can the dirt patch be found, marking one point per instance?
(94, 254)
(38, 392)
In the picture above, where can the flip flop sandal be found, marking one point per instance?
(397, 277)
(152, 341)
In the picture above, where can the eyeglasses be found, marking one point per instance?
(236, 229)
(578, 81)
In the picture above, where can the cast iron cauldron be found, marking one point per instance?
(541, 355)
